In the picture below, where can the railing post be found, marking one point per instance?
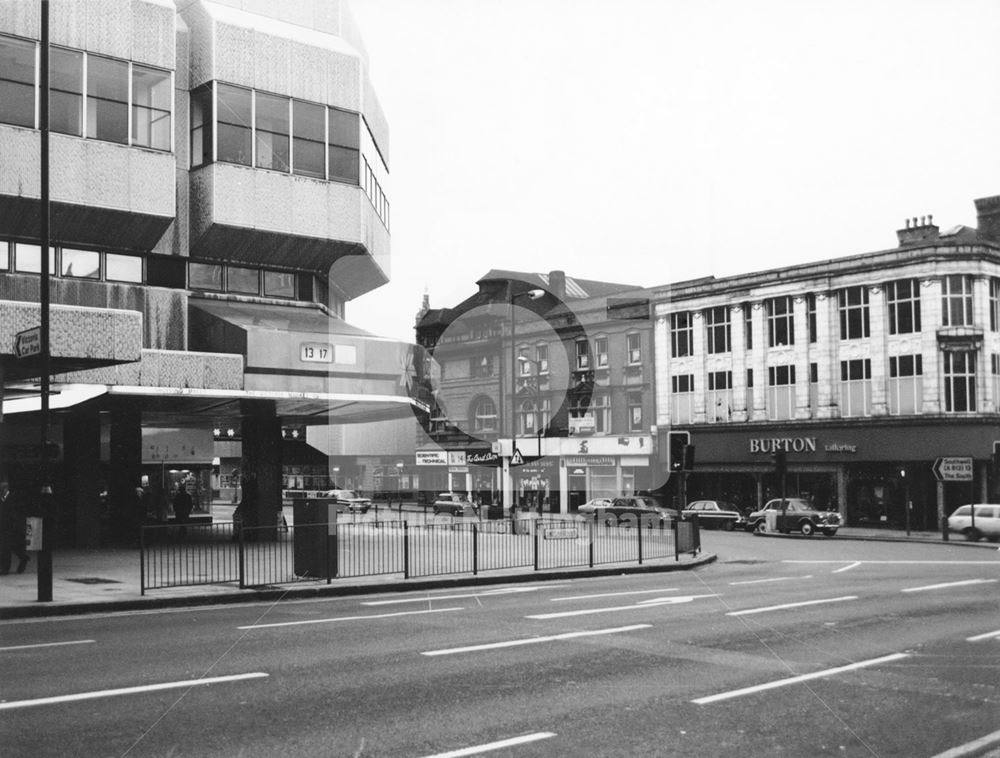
(142, 560)
(639, 532)
(475, 549)
(241, 556)
(677, 539)
(406, 550)
(593, 536)
(336, 536)
(535, 523)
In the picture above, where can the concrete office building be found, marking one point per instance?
(864, 370)
(219, 193)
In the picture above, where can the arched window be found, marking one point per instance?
(484, 415)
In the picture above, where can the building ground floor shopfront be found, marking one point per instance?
(873, 472)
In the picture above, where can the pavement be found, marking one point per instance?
(108, 580)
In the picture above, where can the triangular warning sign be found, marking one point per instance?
(517, 459)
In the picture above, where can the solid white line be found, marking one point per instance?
(765, 581)
(637, 607)
(46, 644)
(987, 636)
(750, 611)
(535, 640)
(948, 584)
(797, 679)
(427, 598)
(349, 618)
(848, 567)
(976, 747)
(494, 745)
(611, 594)
(129, 691)
(908, 563)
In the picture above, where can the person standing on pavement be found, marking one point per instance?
(182, 508)
(12, 530)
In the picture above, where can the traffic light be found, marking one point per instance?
(678, 442)
(780, 458)
(689, 457)
(996, 457)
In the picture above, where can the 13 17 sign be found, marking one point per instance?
(315, 352)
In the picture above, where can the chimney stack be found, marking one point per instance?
(557, 284)
(988, 218)
(917, 231)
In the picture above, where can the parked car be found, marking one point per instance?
(592, 506)
(987, 521)
(715, 514)
(349, 501)
(794, 514)
(455, 504)
(635, 509)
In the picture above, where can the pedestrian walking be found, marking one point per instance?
(182, 508)
(12, 530)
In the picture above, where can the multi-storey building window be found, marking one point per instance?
(906, 387)
(481, 366)
(813, 386)
(748, 326)
(633, 348)
(308, 139)
(484, 415)
(152, 103)
(205, 276)
(682, 399)
(780, 392)
(234, 108)
(533, 415)
(107, 99)
(344, 147)
(243, 280)
(994, 304)
(279, 284)
(582, 355)
(717, 330)
(719, 398)
(601, 352)
(122, 268)
(542, 358)
(634, 403)
(811, 318)
(272, 132)
(854, 318)
(66, 91)
(201, 125)
(903, 301)
(959, 382)
(589, 416)
(80, 264)
(956, 300)
(780, 322)
(600, 407)
(995, 379)
(749, 397)
(681, 335)
(524, 364)
(17, 81)
(855, 387)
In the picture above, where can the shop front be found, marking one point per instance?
(874, 473)
(596, 467)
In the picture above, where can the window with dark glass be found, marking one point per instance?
(205, 276)
(242, 280)
(344, 141)
(17, 82)
(717, 329)
(66, 91)
(484, 415)
(780, 376)
(601, 352)
(201, 125)
(80, 264)
(107, 99)
(542, 358)
(811, 318)
(681, 334)
(151, 107)
(279, 284)
(780, 322)
(582, 355)
(682, 383)
(903, 305)
(854, 318)
(959, 382)
(855, 370)
(633, 348)
(748, 326)
(123, 268)
(720, 380)
(308, 134)
(234, 124)
(272, 132)
(634, 400)
(956, 300)
(905, 365)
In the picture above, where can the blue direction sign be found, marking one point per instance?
(953, 469)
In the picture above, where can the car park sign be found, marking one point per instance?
(953, 469)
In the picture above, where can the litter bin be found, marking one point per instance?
(771, 521)
(494, 512)
(315, 537)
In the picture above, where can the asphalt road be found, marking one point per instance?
(785, 646)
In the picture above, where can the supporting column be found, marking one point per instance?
(262, 462)
(125, 472)
(81, 504)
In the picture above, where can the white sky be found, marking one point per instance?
(651, 141)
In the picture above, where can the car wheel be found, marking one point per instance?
(807, 528)
(973, 535)
(760, 527)
(727, 526)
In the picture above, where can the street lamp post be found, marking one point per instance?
(512, 296)
(537, 413)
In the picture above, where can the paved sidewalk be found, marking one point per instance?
(105, 580)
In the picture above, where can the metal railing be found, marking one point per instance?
(173, 556)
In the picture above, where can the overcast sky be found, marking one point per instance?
(651, 141)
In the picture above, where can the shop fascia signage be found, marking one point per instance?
(431, 458)
(768, 445)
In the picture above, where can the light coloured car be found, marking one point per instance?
(592, 506)
(349, 501)
(987, 521)
(793, 514)
(454, 503)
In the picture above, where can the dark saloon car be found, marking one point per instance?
(793, 514)
(455, 504)
(635, 509)
(715, 514)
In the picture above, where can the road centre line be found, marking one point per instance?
(129, 691)
(765, 581)
(45, 644)
(638, 606)
(987, 636)
(534, 640)
(429, 598)
(349, 618)
(611, 594)
(848, 567)
(903, 563)
(785, 606)
(948, 584)
(796, 679)
(499, 745)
